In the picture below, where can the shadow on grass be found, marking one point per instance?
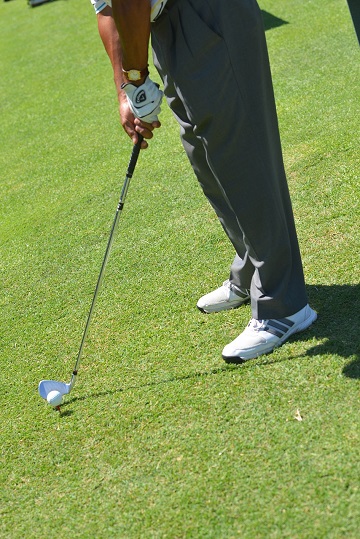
(338, 325)
(169, 380)
(36, 3)
(337, 328)
(354, 7)
(271, 21)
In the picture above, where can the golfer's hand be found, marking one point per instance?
(132, 126)
(144, 100)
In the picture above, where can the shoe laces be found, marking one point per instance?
(257, 325)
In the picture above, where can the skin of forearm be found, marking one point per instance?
(114, 48)
(132, 20)
(110, 38)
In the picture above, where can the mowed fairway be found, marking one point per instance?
(160, 439)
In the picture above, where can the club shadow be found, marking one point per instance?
(153, 383)
(336, 329)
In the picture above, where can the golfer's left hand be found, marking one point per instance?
(144, 100)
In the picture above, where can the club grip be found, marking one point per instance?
(134, 156)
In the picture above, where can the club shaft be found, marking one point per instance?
(129, 173)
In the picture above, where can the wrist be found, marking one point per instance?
(138, 82)
(135, 76)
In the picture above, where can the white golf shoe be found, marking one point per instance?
(262, 336)
(223, 298)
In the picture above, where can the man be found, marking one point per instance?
(212, 58)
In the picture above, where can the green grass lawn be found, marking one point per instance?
(159, 438)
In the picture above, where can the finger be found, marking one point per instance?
(145, 130)
(133, 134)
(135, 139)
(146, 125)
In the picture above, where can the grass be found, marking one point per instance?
(160, 439)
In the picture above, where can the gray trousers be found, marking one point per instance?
(212, 58)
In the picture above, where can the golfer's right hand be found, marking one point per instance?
(133, 126)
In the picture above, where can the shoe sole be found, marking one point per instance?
(226, 308)
(249, 354)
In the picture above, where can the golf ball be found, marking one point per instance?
(54, 398)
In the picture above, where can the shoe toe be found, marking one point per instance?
(261, 337)
(243, 345)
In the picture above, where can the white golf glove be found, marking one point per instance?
(144, 100)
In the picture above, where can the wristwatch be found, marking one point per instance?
(135, 74)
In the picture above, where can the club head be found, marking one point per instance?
(45, 386)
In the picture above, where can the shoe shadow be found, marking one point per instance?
(337, 326)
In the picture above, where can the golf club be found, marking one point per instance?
(51, 390)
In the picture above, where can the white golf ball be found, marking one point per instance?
(54, 398)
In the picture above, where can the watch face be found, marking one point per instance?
(134, 74)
